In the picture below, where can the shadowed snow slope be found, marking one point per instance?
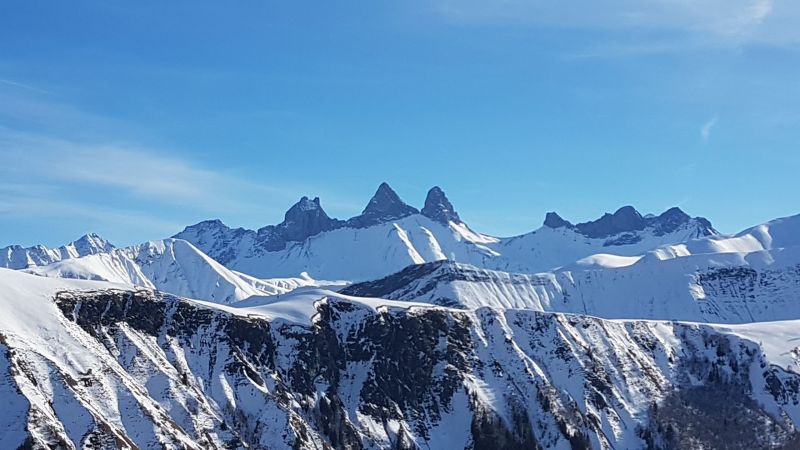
(144, 370)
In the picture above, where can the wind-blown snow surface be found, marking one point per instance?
(122, 368)
(170, 265)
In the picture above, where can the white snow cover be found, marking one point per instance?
(139, 386)
(17, 257)
(174, 266)
(716, 288)
(359, 254)
(778, 233)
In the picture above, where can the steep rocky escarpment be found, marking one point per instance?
(162, 371)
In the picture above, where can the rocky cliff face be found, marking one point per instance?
(626, 225)
(700, 288)
(161, 371)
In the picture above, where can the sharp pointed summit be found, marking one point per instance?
(438, 207)
(384, 206)
(553, 220)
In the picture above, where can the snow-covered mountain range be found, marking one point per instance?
(119, 368)
(631, 331)
(390, 235)
(170, 265)
(18, 257)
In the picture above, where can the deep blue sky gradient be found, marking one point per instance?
(513, 113)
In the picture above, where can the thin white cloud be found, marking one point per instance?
(696, 22)
(705, 130)
(17, 84)
(142, 173)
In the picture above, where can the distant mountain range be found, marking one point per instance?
(390, 235)
(404, 328)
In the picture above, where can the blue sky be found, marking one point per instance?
(134, 119)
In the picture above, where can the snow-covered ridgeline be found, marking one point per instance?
(146, 370)
(390, 235)
(170, 265)
(18, 257)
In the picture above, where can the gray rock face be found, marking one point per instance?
(553, 220)
(395, 378)
(217, 239)
(627, 221)
(438, 207)
(384, 206)
(624, 219)
(304, 219)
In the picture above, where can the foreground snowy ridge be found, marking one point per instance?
(139, 369)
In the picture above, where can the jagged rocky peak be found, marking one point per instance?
(438, 207)
(305, 218)
(553, 220)
(674, 218)
(385, 205)
(627, 220)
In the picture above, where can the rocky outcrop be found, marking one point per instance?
(438, 207)
(384, 206)
(626, 224)
(419, 378)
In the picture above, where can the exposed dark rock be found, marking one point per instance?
(624, 225)
(438, 207)
(304, 219)
(553, 220)
(624, 219)
(408, 367)
(384, 206)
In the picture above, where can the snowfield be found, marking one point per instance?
(101, 363)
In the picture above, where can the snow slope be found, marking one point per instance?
(122, 368)
(390, 235)
(778, 233)
(368, 253)
(716, 288)
(18, 257)
(173, 266)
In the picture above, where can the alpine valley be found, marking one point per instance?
(404, 328)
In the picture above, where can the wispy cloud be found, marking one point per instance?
(708, 126)
(660, 25)
(139, 172)
(59, 162)
(25, 86)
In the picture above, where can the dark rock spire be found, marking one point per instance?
(438, 207)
